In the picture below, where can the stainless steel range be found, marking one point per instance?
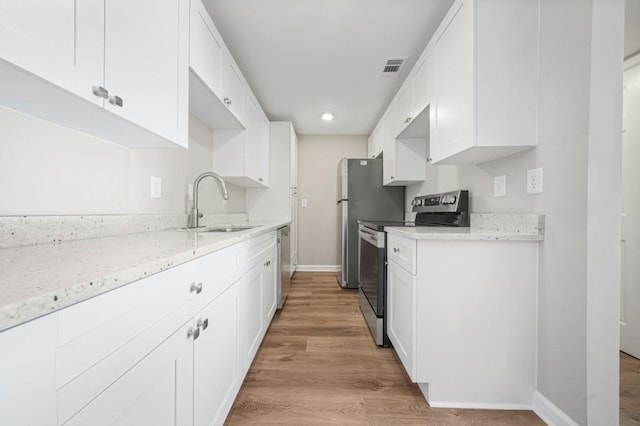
(445, 209)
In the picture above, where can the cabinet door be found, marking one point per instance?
(60, 41)
(217, 373)
(454, 84)
(27, 373)
(389, 158)
(401, 323)
(252, 312)
(404, 105)
(422, 81)
(270, 290)
(233, 87)
(158, 390)
(257, 147)
(375, 145)
(206, 48)
(146, 57)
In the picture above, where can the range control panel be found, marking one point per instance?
(446, 202)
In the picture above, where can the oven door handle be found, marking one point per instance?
(371, 238)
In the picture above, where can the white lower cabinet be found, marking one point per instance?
(466, 335)
(217, 373)
(401, 299)
(171, 349)
(27, 373)
(252, 312)
(157, 390)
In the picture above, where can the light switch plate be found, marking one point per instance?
(156, 187)
(534, 181)
(303, 202)
(500, 186)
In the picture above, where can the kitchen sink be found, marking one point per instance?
(220, 228)
(227, 229)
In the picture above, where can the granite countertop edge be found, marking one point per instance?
(51, 300)
(467, 234)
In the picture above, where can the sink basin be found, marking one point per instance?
(219, 228)
(227, 229)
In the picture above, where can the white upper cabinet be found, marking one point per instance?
(207, 48)
(376, 141)
(145, 66)
(61, 42)
(414, 102)
(233, 86)
(210, 72)
(486, 81)
(405, 160)
(242, 156)
(69, 61)
(216, 84)
(220, 96)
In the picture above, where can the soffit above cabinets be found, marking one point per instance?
(306, 57)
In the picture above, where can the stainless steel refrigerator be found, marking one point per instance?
(361, 196)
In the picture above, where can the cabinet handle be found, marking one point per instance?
(428, 159)
(408, 119)
(100, 92)
(196, 287)
(193, 333)
(115, 100)
(393, 177)
(259, 179)
(227, 101)
(396, 250)
(203, 323)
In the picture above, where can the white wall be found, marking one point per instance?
(579, 149)
(318, 158)
(46, 169)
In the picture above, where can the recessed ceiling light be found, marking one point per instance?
(327, 116)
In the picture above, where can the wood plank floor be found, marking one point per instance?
(318, 365)
(629, 390)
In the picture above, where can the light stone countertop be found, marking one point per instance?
(40, 279)
(484, 226)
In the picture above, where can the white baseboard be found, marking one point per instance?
(319, 268)
(549, 412)
(424, 388)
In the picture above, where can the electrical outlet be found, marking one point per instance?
(156, 187)
(534, 181)
(500, 186)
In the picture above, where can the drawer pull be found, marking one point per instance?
(193, 333)
(396, 250)
(115, 100)
(203, 323)
(100, 92)
(196, 287)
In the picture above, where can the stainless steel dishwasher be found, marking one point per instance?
(284, 265)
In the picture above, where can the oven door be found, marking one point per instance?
(371, 267)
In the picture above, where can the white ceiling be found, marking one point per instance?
(306, 57)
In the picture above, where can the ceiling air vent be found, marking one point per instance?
(393, 66)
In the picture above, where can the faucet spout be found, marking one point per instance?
(195, 214)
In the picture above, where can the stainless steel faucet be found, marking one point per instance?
(195, 214)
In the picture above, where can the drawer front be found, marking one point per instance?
(402, 251)
(258, 247)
